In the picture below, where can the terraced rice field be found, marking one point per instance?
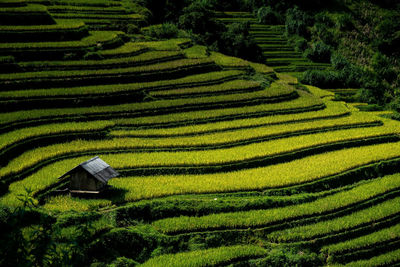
(205, 152)
(274, 44)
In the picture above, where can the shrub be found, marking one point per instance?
(296, 22)
(319, 52)
(284, 257)
(339, 62)
(321, 30)
(236, 41)
(322, 78)
(163, 31)
(300, 44)
(324, 19)
(266, 15)
(383, 67)
(344, 22)
(132, 29)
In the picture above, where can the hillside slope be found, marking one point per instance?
(222, 161)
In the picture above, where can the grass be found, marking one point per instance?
(208, 257)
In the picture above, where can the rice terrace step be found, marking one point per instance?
(221, 161)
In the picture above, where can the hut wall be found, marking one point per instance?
(81, 180)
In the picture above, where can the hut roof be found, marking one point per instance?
(97, 168)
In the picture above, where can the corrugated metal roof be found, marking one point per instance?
(97, 168)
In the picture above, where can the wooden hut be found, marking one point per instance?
(90, 176)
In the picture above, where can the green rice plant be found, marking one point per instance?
(289, 79)
(387, 259)
(25, 15)
(86, 9)
(260, 218)
(338, 225)
(261, 68)
(113, 17)
(142, 59)
(127, 49)
(196, 51)
(358, 119)
(228, 61)
(166, 105)
(90, 41)
(171, 44)
(59, 26)
(95, 3)
(75, 77)
(227, 88)
(208, 257)
(136, 188)
(12, 3)
(78, 73)
(31, 8)
(319, 92)
(364, 242)
(16, 136)
(332, 110)
(187, 81)
(63, 30)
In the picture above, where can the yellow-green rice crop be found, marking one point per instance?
(144, 57)
(210, 77)
(339, 224)
(126, 49)
(60, 25)
(94, 38)
(363, 242)
(228, 61)
(319, 92)
(227, 87)
(258, 218)
(260, 129)
(294, 172)
(170, 65)
(333, 109)
(49, 129)
(196, 51)
(213, 156)
(83, 16)
(175, 103)
(287, 78)
(171, 44)
(208, 257)
(386, 259)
